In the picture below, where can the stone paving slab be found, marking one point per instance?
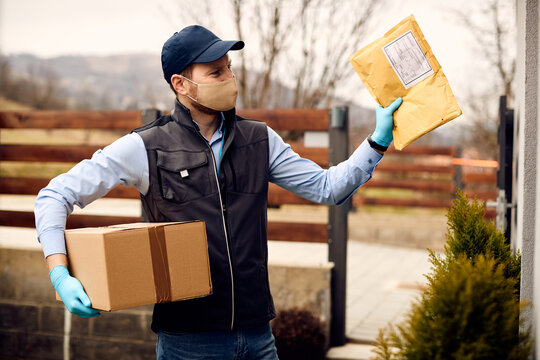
(350, 352)
(382, 281)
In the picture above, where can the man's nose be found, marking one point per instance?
(228, 74)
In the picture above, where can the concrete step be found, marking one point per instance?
(350, 352)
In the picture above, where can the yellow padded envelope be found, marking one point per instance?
(401, 63)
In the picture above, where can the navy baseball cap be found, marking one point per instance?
(193, 44)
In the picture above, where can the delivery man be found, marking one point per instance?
(203, 162)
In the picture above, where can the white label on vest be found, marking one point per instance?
(184, 173)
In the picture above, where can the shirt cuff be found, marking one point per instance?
(53, 242)
(365, 157)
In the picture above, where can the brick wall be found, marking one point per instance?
(32, 321)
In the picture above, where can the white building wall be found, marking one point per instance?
(536, 287)
(525, 150)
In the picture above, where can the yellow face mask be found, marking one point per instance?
(219, 96)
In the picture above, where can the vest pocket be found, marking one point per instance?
(183, 176)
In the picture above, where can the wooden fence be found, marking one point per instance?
(429, 177)
(334, 232)
(426, 176)
(127, 120)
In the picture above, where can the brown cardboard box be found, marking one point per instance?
(124, 266)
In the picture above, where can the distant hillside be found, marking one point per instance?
(102, 82)
(130, 81)
(8, 105)
(135, 81)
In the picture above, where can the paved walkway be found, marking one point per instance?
(382, 281)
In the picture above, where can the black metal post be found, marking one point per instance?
(338, 229)
(506, 147)
(458, 177)
(147, 117)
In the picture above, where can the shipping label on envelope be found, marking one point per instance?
(401, 63)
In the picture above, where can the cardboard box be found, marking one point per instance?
(124, 266)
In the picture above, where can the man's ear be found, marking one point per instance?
(178, 83)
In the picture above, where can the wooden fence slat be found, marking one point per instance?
(415, 168)
(124, 192)
(419, 185)
(424, 150)
(26, 219)
(430, 203)
(276, 230)
(22, 186)
(475, 178)
(491, 213)
(276, 195)
(482, 195)
(278, 119)
(71, 119)
(420, 150)
(279, 196)
(76, 153)
(44, 153)
(319, 155)
(17, 218)
(290, 119)
(81, 221)
(31, 186)
(306, 232)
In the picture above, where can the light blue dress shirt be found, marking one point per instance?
(124, 162)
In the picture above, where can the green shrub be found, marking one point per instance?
(468, 312)
(471, 308)
(471, 235)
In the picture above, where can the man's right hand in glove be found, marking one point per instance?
(72, 292)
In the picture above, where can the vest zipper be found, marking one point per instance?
(224, 230)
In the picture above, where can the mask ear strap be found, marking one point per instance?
(193, 82)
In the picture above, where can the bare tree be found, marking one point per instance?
(43, 90)
(5, 75)
(492, 26)
(303, 44)
(39, 88)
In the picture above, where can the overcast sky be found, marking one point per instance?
(99, 27)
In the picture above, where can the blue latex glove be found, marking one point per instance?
(385, 123)
(72, 292)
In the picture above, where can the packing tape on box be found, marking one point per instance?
(160, 264)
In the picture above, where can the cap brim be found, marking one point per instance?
(217, 50)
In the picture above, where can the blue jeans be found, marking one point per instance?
(250, 343)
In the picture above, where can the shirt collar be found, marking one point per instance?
(182, 115)
(218, 134)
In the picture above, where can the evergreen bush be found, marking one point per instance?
(471, 235)
(470, 309)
